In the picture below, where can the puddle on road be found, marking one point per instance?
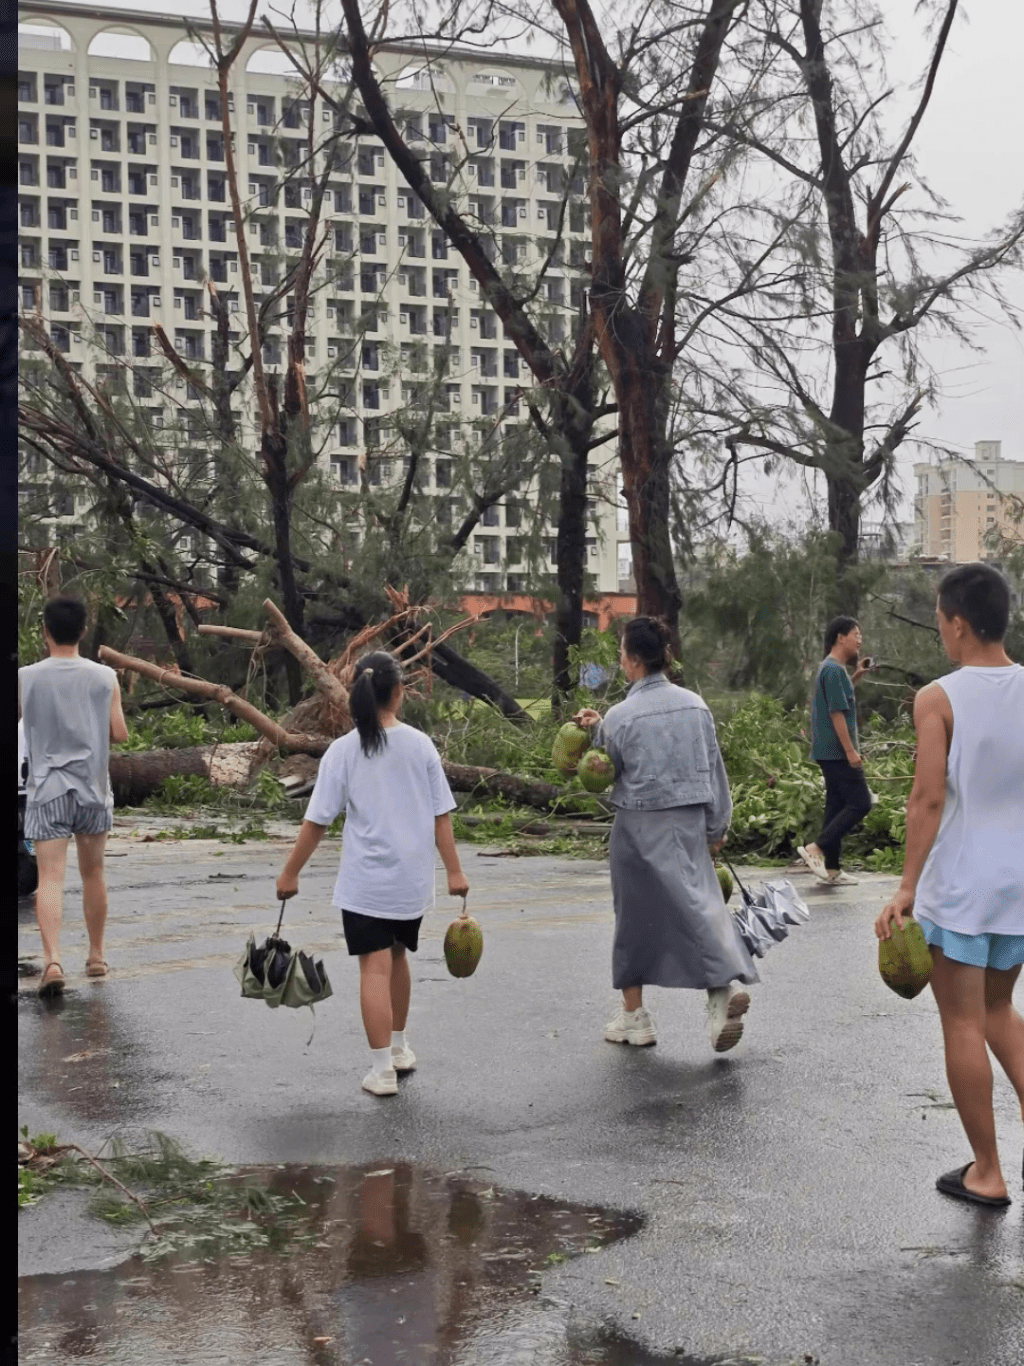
(395, 1266)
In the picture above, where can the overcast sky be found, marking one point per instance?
(969, 149)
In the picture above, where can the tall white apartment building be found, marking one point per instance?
(961, 503)
(124, 212)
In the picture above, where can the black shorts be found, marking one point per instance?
(371, 933)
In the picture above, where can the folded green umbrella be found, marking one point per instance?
(280, 975)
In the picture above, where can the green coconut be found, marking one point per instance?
(463, 946)
(904, 961)
(570, 743)
(725, 882)
(596, 770)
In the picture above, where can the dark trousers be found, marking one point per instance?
(847, 802)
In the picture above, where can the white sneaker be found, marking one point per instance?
(635, 1027)
(381, 1083)
(835, 878)
(816, 861)
(726, 1007)
(403, 1059)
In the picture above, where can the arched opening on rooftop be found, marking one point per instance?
(270, 61)
(187, 53)
(121, 44)
(44, 35)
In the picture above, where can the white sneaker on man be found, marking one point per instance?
(403, 1059)
(726, 1008)
(631, 1026)
(381, 1083)
(814, 859)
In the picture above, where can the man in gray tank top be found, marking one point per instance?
(71, 708)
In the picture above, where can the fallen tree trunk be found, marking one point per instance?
(455, 670)
(137, 776)
(490, 782)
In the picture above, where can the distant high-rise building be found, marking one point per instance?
(125, 215)
(960, 505)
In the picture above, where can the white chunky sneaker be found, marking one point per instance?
(635, 1027)
(835, 878)
(815, 861)
(403, 1059)
(726, 1008)
(381, 1083)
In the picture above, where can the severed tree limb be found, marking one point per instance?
(31, 1156)
(216, 692)
(114, 1181)
(326, 682)
(234, 633)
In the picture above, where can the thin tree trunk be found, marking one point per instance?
(275, 457)
(571, 552)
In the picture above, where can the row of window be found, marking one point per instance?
(507, 134)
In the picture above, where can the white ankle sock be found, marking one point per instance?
(381, 1059)
(398, 1038)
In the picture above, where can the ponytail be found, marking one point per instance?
(374, 681)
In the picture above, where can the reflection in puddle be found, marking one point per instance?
(397, 1266)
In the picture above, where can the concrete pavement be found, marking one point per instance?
(786, 1188)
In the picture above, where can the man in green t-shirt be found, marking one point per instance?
(834, 748)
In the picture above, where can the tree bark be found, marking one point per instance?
(570, 551)
(137, 776)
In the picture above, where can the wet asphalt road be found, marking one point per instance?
(786, 1188)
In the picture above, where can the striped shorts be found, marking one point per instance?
(66, 816)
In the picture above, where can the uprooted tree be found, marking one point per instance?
(314, 723)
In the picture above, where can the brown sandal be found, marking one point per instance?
(52, 985)
(96, 967)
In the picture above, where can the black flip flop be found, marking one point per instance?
(952, 1183)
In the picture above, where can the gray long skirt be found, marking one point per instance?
(672, 928)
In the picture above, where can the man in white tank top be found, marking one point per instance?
(71, 708)
(963, 875)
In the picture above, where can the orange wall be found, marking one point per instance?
(606, 608)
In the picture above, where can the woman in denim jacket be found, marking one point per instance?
(673, 808)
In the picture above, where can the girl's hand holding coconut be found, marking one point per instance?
(587, 718)
(457, 884)
(900, 904)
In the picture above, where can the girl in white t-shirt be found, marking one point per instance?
(388, 780)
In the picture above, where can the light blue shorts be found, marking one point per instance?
(1001, 951)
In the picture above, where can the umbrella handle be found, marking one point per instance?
(280, 918)
(739, 884)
